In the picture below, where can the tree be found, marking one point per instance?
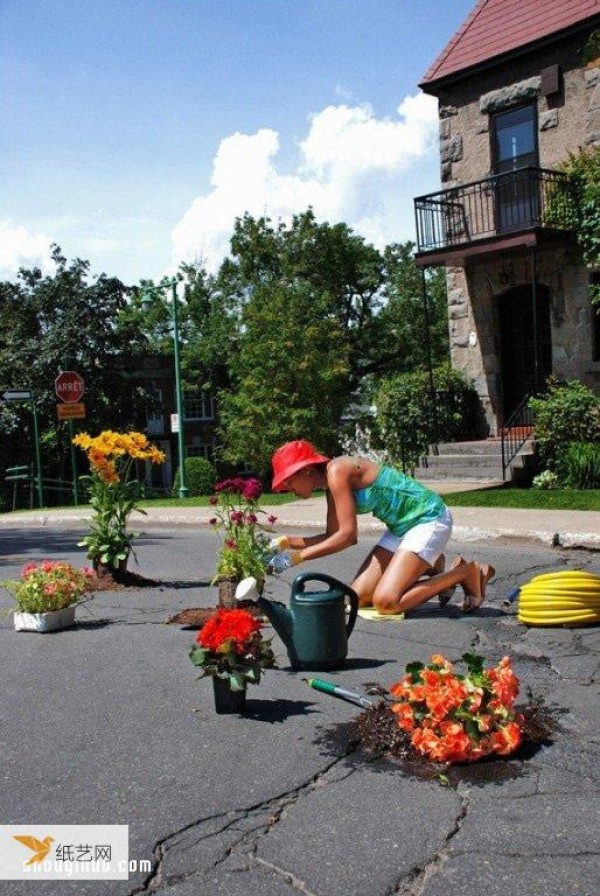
(296, 325)
(62, 321)
(289, 377)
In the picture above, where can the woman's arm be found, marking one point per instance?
(341, 530)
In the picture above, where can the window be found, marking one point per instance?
(155, 425)
(514, 148)
(201, 451)
(514, 139)
(199, 406)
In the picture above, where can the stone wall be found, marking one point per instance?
(567, 121)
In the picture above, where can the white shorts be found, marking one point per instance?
(428, 540)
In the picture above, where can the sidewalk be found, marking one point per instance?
(565, 528)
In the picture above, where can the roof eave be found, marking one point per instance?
(434, 85)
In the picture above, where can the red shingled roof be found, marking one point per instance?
(496, 27)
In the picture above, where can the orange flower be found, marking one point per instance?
(405, 714)
(506, 738)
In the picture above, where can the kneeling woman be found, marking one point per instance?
(405, 568)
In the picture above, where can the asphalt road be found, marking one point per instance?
(106, 723)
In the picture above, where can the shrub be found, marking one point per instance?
(406, 421)
(200, 476)
(578, 465)
(568, 412)
(545, 480)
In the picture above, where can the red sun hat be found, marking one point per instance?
(290, 458)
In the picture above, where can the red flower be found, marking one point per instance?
(229, 630)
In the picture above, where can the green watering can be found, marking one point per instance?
(314, 628)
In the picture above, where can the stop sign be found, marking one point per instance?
(69, 386)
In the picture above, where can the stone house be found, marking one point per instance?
(515, 98)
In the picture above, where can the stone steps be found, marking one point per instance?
(481, 460)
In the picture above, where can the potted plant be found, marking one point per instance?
(459, 718)
(244, 547)
(230, 648)
(114, 495)
(47, 595)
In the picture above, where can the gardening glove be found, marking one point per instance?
(284, 560)
(281, 543)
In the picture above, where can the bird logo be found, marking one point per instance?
(40, 848)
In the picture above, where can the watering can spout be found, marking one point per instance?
(278, 614)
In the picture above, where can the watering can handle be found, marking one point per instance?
(333, 584)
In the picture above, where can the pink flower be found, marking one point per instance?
(236, 516)
(271, 519)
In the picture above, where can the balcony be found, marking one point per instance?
(493, 210)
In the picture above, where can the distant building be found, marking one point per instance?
(199, 424)
(515, 98)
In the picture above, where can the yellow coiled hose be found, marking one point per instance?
(571, 597)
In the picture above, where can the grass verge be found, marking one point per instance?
(527, 499)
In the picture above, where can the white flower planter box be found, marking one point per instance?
(45, 622)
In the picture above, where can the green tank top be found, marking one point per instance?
(398, 501)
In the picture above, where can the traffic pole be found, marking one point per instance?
(38, 455)
(73, 463)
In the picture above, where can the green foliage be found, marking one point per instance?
(407, 421)
(545, 480)
(60, 321)
(291, 376)
(576, 205)
(567, 412)
(578, 465)
(591, 49)
(109, 543)
(200, 477)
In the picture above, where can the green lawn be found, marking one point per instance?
(529, 499)
(267, 500)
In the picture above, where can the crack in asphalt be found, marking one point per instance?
(414, 883)
(275, 809)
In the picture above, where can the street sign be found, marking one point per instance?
(16, 395)
(174, 422)
(70, 411)
(69, 386)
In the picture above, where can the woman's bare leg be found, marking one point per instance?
(399, 588)
(445, 596)
(369, 574)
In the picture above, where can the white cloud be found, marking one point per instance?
(21, 248)
(354, 167)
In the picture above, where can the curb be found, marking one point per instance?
(574, 540)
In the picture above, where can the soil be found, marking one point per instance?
(375, 732)
(195, 617)
(120, 580)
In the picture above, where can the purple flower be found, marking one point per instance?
(271, 519)
(251, 518)
(252, 489)
(236, 516)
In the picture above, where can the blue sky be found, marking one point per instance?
(134, 131)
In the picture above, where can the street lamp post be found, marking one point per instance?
(148, 291)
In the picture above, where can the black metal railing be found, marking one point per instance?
(519, 200)
(517, 430)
